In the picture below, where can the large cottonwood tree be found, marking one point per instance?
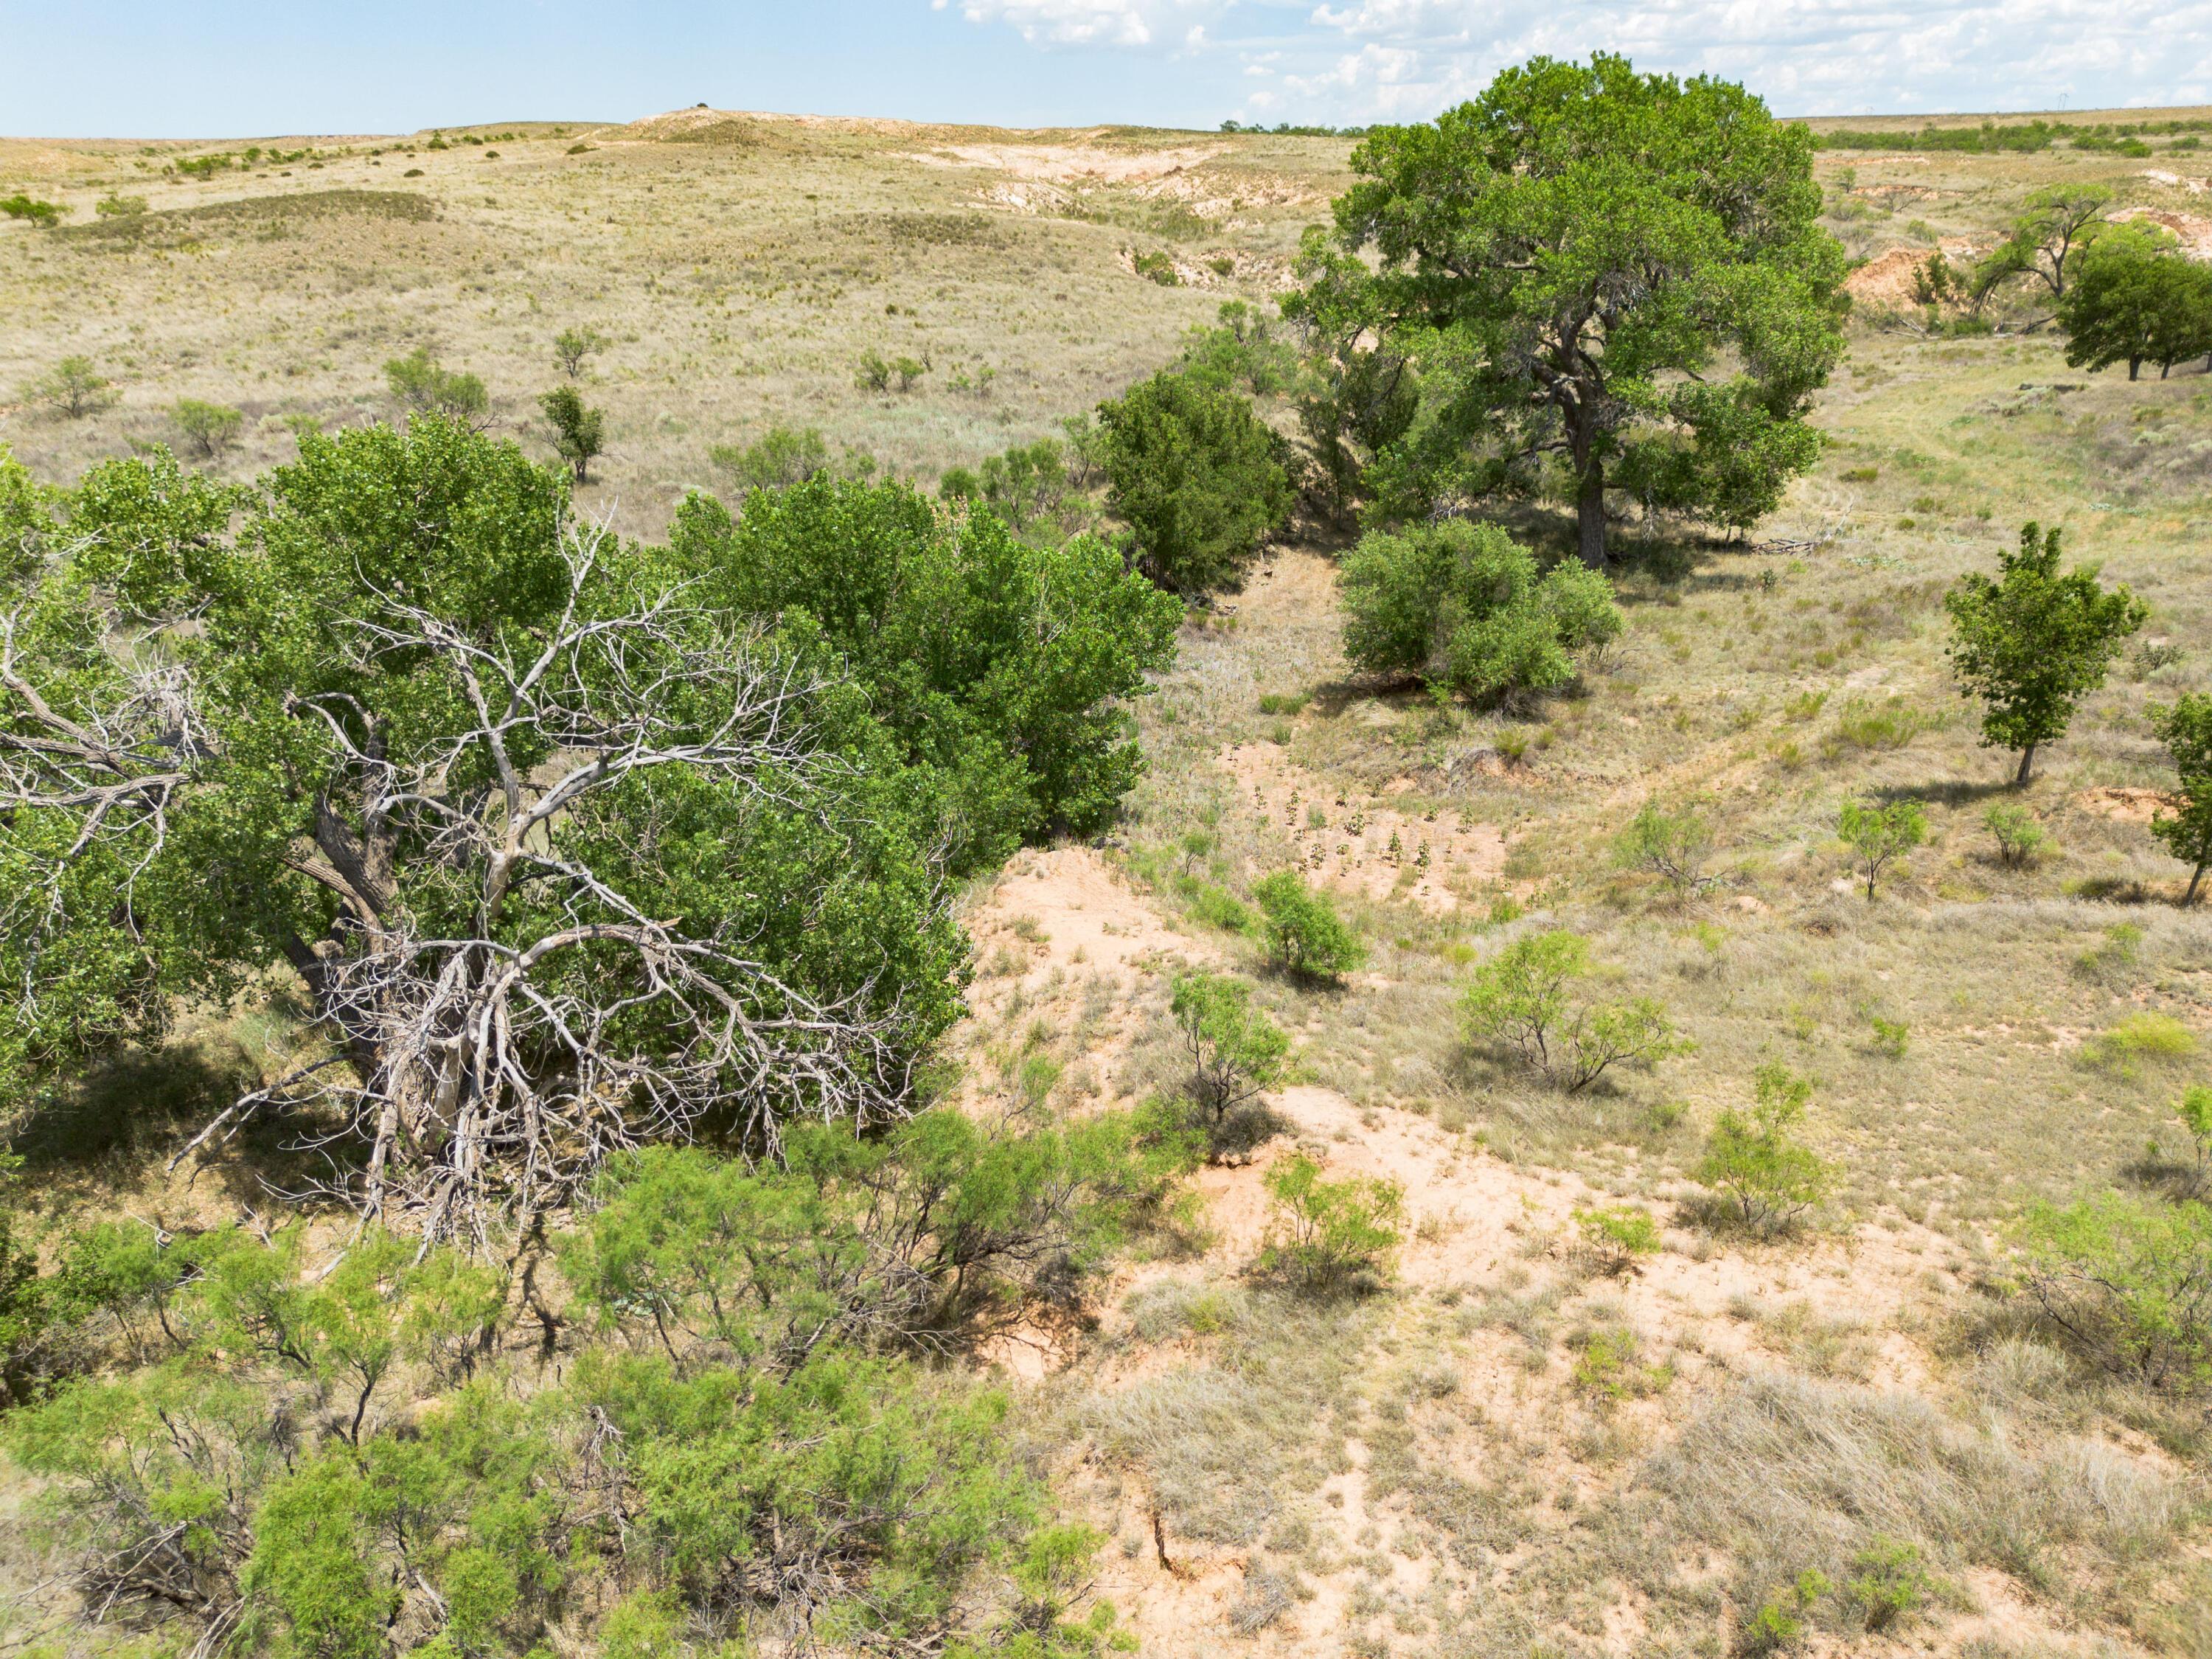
(1607, 281)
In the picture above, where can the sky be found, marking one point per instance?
(227, 69)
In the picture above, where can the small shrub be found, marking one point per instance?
(1878, 836)
(1770, 1180)
(74, 389)
(2130, 1279)
(1236, 1051)
(1891, 1036)
(1522, 999)
(874, 374)
(908, 370)
(1607, 1366)
(1887, 1582)
(1330, 1234)
(2194, 1108)
(2020, 840)
(1779, 1624)
(2155, 1037)
(571, 346)
(579, 431)
(210, 428)
(1613, 1238)
(1671, 846)
(1157, 266)
(113, 206)
(780, 457)
(421, 383)
(1305, 936)
(44, 214)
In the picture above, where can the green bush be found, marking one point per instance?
(1887, 1582)
(2185, 726)
(422, 384)
(1770, 1180)
(1461, 604)
(1198, 479)
(2020, 840)
(74, 388)
(44, 214)
(571, 346)
(1613, 1237)
(579, 431)
(2194, 1108)
(1522, 999)
(1236, 1051)
(780, 457)
(210, 428)
(1672, 846)
(1878, 836)
(1330, 1234)
(2130, 1279)
(1305, 936)
(2147, 1036)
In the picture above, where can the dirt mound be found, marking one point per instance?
(1887, 278)
(1069, 163)
(2176, 181)
(2125, 805)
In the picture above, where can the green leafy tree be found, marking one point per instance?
(780, 457)
(466, 767)
(2185, 726)
(573, 346)
(2130, 1279)
(1196, 477)
(2035, 641)
(1462, 603)
(1615, 1236)
(1331, 1235)
(44, 214)
(2019, 837)
(1770, 1179)
(1879, 835)
(2194, 1111)
(74, 388)
(1604, 279)
(421, 383)
(1672, 846)
(2045, 239)
(2136, 299)
(1001, 669)
(578, 432)
(1524, 999)
(1236, 1051)
(26, 522)
(1305, 935)
(1355, 401)
(211, 428)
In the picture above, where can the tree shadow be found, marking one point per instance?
(1951, 792)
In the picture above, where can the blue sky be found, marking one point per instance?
(244, 68)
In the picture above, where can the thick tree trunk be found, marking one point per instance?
(2026, 760)
(2195, 881)
(2135, 368)
(1589, 516)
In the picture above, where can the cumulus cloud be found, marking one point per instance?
(1365, 60)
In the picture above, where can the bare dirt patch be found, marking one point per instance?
(2123, 805)
(1068, 163)
(1431, 859)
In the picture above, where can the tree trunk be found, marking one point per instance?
(2162, 369)
(1589, 516)
(2195, 881)
(2026, 760)
(2135, 368)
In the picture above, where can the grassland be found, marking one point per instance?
(1441, 1470)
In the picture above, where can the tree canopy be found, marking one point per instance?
(1198, 478)
(2034, 641)
(2134, 299)
(1606, 281)
(574, 844)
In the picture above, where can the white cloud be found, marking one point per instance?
(1361, 60)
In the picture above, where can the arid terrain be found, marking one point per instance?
(1506, 1450)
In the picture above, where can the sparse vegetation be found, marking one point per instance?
(1524, 999)
(1306, 938)
(1768, 1179)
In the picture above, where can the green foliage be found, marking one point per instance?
(780, 457)
(2146, 1035)
(2130, 1279)
(2185, 726)
(1355, 402)
(1305, 936)
(1888, 1581)
(208, 428)
(1878, 836)
(1156, 265)
(578, 432)
(1672, 846)
(27, 523)
(2134, 297)
(940, 1227)
(1892, 1037)
(1461, 604)
(2046, 239)
(1000, 668)
(1523, 1000)
(1331, 1235)
(1613, 1237)
(2194, 1108)
(874, 374)
(1779, 1624)
(1198, 479)
(1606, 1368)
(572, 346)
(1652, 309)
(1770, 1180)
(44, 214)
(1240, 352)
(2020, 838)
(1026, 483)
(2031, 644)
(419, 382)
(1236, 1050)
(74, 388)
